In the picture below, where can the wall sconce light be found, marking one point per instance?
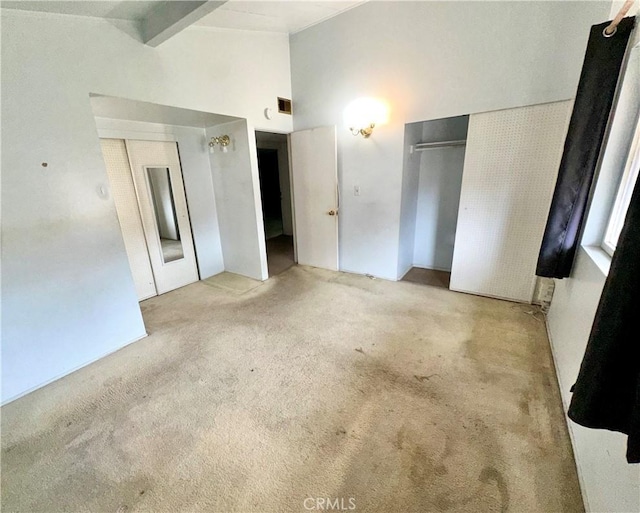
(362, 115)
(223, 141)
(364, 132)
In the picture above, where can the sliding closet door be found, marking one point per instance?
(124, 197)
(510, 169)
(158, 180)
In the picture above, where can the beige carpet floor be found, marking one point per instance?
(233, 283)
(393, 397)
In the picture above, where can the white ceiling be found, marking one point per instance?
(284, 16)
(120, 10)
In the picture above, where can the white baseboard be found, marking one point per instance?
(565, 407)
(45, 383)
(403, 274)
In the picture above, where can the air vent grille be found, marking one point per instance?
(284, 105)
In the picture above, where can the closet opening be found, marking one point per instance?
(275, 193)
(432, 182)
(184, 216)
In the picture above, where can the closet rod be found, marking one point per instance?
(441, 144)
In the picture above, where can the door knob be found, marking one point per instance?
(332, 212)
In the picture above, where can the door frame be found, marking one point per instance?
(293, 203)
(278, 147)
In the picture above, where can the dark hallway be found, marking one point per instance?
(276, 200)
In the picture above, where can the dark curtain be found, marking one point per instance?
(594, 99)
(607, 392)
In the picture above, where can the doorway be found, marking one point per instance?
(275, 193)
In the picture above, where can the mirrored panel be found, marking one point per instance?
(165, 212)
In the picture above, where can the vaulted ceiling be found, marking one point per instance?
(132, 11)
(159, 19)
(284, 16)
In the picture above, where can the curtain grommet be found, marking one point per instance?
(613, 33)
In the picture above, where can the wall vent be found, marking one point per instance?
(284, 105)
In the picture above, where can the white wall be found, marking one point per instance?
(203, 213)
(409, 198)
(608, 482)
(428, 60)
(437, 212)
(68, 296)
(236, 183)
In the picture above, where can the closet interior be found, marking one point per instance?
(432, 181)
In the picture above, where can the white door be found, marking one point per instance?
(314, 170)
(157, 177)
(124, 197)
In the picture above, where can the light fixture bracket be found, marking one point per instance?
(364, 132)
(223, 141)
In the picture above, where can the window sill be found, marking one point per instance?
(599, 257)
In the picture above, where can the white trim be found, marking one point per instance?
(60, 376)
(257, 198)
(565, 407)
(135, 136)
(608, 248)
(623, 195)
(510, 299)
(293, 206)
(600, 257)
(488, 109)
(402, 274)
(109, 128)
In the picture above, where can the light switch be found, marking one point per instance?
(356, 190)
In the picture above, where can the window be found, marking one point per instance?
(623, 198)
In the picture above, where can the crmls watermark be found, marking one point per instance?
(329, 503)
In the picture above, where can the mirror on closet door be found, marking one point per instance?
(165, 213)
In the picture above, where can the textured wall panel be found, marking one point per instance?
(124, 197)
(510, 170)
